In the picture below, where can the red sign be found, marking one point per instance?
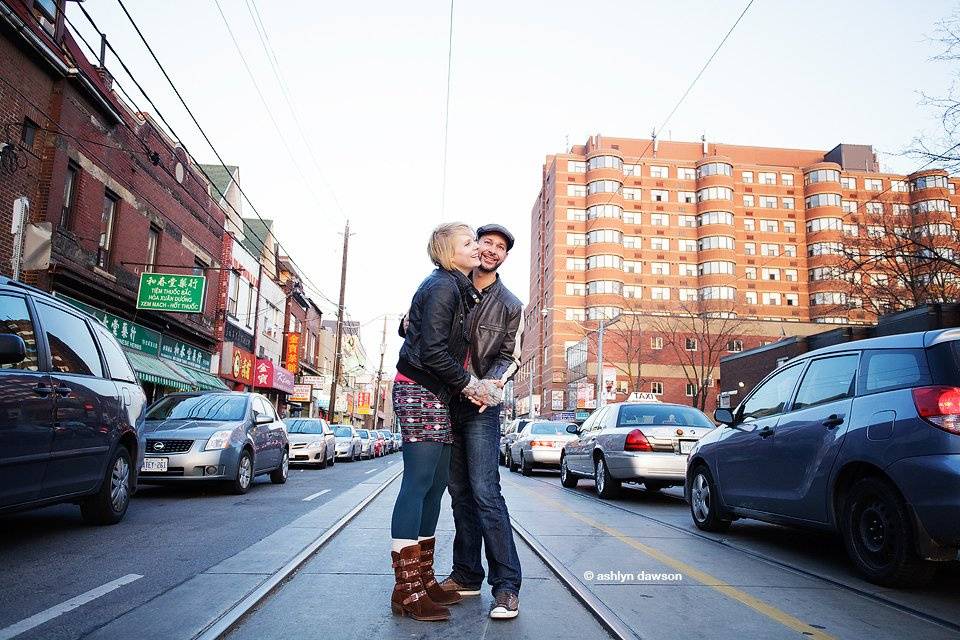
(273, 376)
(292, 356)
(237, 364)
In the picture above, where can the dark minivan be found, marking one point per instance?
(862, 438)
(71, 410)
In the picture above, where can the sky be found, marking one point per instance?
(364, 139)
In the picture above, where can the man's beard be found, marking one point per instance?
(486, 270)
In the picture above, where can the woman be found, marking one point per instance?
(431, 372)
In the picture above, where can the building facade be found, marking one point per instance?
(663, 235)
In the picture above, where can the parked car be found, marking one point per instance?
(369, 444)
(398, 441)
(642, 442)
(311, 442)
(540, 446)
(381, 443)
(510, 433)
(861, 438)
(227, 437)
(349, 445)
(71, 410)
(391, 443)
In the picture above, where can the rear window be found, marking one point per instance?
(343, 432)
(548, 428)
(894, 369)
(662, 415)
(944, 362)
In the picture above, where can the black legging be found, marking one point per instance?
(426, 466)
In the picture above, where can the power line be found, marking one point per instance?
(446, 115)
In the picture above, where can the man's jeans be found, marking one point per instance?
(479, 510)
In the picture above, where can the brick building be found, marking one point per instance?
(117, 196)
(658, 231)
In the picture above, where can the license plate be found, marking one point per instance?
(155, 464)
(686, 446)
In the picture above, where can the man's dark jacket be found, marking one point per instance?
(495, 328)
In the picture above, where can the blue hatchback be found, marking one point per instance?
(862, 438)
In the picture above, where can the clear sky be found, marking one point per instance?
(529, 77)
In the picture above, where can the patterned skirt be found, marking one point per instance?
(422, 416)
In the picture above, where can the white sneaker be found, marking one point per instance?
(506, 606)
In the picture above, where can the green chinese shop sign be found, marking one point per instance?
(171, 292)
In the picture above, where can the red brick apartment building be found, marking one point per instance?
(748, 237)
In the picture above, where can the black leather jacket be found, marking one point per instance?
(436, 340)
(495, 328)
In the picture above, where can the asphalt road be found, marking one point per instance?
(170, 534)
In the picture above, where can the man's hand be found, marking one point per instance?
(484, 393)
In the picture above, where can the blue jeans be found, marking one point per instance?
(479, 510)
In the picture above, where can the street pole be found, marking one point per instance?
(339, 340)
(600, 398)
(376, 390)
(533, 376)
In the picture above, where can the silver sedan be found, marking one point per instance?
(311, 442)
(539, 445)
(642, 442)
(349, 445)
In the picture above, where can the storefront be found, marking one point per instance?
(236, 366)
(275, 382)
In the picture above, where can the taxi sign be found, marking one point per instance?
(643, 396)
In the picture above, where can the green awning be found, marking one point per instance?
(154, 370)
(201, 380)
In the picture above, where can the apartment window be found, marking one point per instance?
(828, 298)
(770, 250)
(233, 293)
(790, 275)
(576, 214)
(901, 209)
(793, 299)
(660, 219)
(632, 242)
(656, 388)
(660, 268)
(688, 295)
(576, 264)
(872, 184)
(824, 224)
(898, 185)
(631, 194)
(789, 226)
(848, 183)
(748, 201)
(717, 293)
(687, 197)
(771, 298)
(875, 208)
(749, 248)
(631, 267)
(659, 293)
(251, 296)
(604, 211)
(747, 177)
(632, 291)
(656, 343)
(603, 186)
(877, 231)
(735, 346)
(685, 173)
(575, 314)
(715, 193)
(824, 249)
(715, 242)
(659, 172)
(771, 274)
(69, 195)
(849, 206)
(576, 166)
(660, 244)
(687, 270)
(715, 267)
(107, 219)
(786, 179)
(687, 245)
(715, 217)
(768, 202)
(787, 203)
(750, 273)
(714, 169)
(605, 286)
(576, 190)
(577, 239)
(631, 169)
(687, 221)
(750, 297)
(631, 217)
(690, 344)
(604, 162)
(769, 226)
(153, 241)
(821, 175)
(691, 390)
(749, 224)
(767, 177)
(822, 200)
(605, 261)
(659, 195)
(576, 289)
(604, 235)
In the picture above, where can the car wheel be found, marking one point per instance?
(526, 468)
(333, 458)
(244, 478)
(510, 465)
(323, 462)
(109, 504)
(705, 501)
(607, 486)
(567, 478)
(879, 538)
(279, 475)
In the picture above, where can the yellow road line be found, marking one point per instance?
(702, 577)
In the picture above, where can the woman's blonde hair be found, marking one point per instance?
(441, 247)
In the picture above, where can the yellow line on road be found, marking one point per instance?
(702, 577)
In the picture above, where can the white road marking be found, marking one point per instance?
(367, 472)
(316, 495)
(389, 461)
(46, 616)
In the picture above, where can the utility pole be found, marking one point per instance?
(376, 389)
(533, 376)
(339, 341)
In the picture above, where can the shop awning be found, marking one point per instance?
(201, 380)
(154, 370)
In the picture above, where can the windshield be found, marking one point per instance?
(548, 428)
(343, 432)
(363, 433)
(305, 426)
(637, 415)
(211, 406)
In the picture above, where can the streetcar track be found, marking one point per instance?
(873, 597)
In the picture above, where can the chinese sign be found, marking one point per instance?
(292, 356)
(171, 292)
(273, 376)
(301, 393)
(237, 364)
(185, 354)
(363, 403)
(556, 399)
(317, 381)
(129, 334)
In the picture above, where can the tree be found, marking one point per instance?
(943, 148)
(623, 344)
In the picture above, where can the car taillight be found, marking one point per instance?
(939, 406)
(541, 443)
(636, 441)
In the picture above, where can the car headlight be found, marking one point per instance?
(219, 440)
(314, 445)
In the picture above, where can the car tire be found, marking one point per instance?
(510, 465)
(878, 534)
(333, 458)
(279, 475)
(567, 479)
(109, 504)
(607, 486)
(323, 462)
(704, 502)
(244, 479)
(526, 468)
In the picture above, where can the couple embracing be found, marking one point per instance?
(461, 344)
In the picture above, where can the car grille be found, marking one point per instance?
(168, 446)
(298, 445)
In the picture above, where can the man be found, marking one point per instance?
(479, 510)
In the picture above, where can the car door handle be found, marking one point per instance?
(62, 390)
(832, 421)
(766, 432)
(43, 390)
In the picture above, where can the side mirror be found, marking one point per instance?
(262, 418)
(572, 428)
(12, 349)
(724, 416)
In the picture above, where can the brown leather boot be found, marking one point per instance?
(437, 593)
(409, 597)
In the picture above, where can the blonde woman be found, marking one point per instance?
(431, 372)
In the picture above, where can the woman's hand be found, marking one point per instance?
(484, 393)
